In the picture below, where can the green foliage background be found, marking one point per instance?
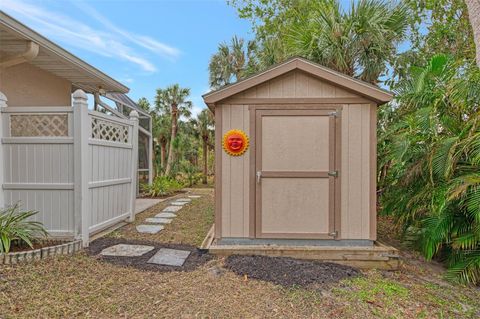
(428, 136)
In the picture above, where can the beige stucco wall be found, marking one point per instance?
(27, 85)
(357, 169)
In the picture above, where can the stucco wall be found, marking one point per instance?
(27, 85)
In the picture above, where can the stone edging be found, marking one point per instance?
(41, 253)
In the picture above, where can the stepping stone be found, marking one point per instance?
(172, 209)
(149, 229)
(194, 196)
(158, 220)
(186, 200)
(124, 250)
(178, 203)
(169, 257)
(166, 215)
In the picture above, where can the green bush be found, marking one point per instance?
(191, 173)
(162, 186)
(430, 164)
(15, 229)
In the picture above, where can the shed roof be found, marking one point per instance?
(15, 38)
(346, 82)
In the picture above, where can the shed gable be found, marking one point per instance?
(295, 84)
(299, 78)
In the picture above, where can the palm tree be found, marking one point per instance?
(173, 101)
(228, 64)
(432, 148)
(358, 43)
(162, 129)
(144, 104)
(205, 129)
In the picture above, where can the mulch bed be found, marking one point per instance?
(289, 272)
(36, 245)
(194, 260)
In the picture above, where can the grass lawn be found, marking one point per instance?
(84, 286)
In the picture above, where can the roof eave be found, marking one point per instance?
(48, 45)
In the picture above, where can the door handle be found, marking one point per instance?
(259, 176)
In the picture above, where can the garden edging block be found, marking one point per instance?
(41, 253)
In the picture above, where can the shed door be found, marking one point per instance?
(295, 173)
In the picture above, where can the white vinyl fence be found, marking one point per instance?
(74, 166)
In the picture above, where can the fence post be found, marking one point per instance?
(3, 103)
(150, 154)
(134, 117)
(81, 165)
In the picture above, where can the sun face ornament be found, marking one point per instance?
(235, 142)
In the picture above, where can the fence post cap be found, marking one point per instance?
(80, 94)
(134, 114)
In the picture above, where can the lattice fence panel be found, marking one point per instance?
(35, 125)
(109, 131)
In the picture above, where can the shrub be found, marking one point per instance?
(192, 174)
(161, 186)
(430, 164)
(16, 229)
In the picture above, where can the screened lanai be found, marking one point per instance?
(123, 106)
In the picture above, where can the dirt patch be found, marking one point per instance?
(194, 260)
(289, 272)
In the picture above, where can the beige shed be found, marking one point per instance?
(308, 177)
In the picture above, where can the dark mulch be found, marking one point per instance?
(18, 247)
(289, 272)
(194, 260)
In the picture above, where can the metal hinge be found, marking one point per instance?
(333, 173)
(334, 114)
(334, 234)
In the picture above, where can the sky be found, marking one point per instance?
(144, 44)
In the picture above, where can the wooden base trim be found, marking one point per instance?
(379, 256)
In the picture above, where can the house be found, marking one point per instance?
(296, 165)
(74, 164)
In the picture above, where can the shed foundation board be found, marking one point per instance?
(297, 242)
(377, 256)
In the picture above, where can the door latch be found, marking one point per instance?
(334, 234)
(333, 173)
(259, 176)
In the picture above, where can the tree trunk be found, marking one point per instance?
(171, 155)
(205, 160)
(473, 7)
(163, 152)
(154, 158)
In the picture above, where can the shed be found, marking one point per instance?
(308, 175)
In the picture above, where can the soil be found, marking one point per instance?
(36, 245)
(289, 272)
(194, 260)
